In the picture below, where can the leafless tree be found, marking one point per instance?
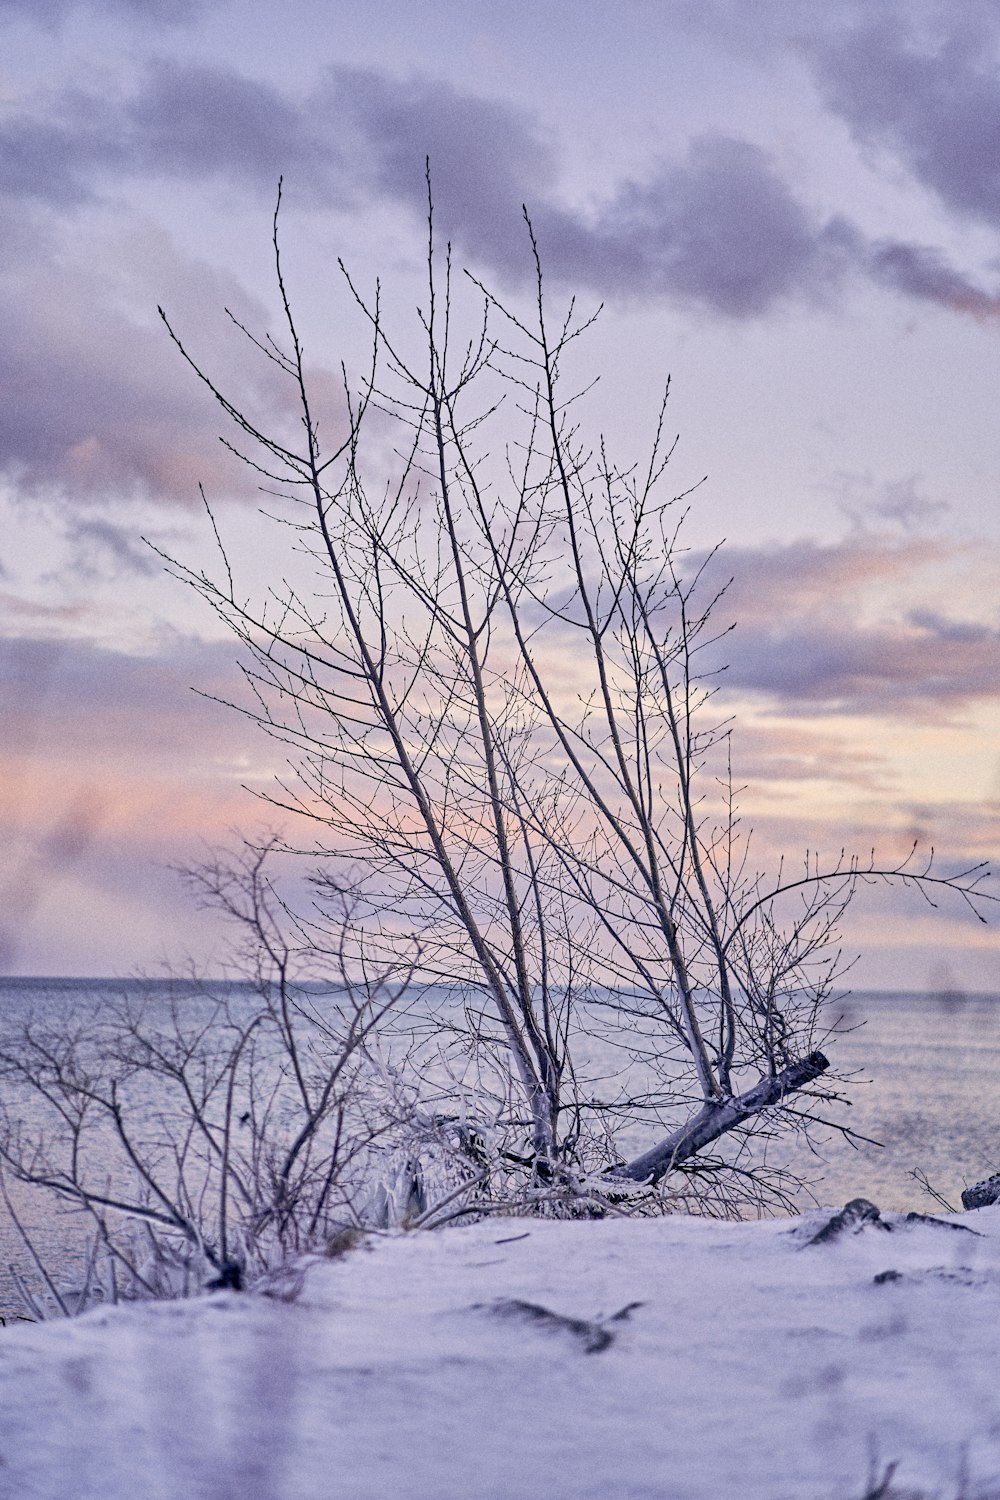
(206, 1130)
(492, 662)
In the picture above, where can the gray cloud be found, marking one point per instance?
(921, 272)
(48, 12)
(190, 121)
(359, 134)
(720, 228)
(803, 639)
(930, 94)
(86, 704)
(53, 160)
(103, 549)
(95, 403)
(185, 120)
(901, 502)
(487, 157)
(849, 669)
(90, 403)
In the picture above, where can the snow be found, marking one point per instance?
(757, 1365)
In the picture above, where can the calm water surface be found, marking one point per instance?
(927, 1087)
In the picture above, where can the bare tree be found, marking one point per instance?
(493, 664)
(207, 1130)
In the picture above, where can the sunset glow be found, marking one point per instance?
(794, 212)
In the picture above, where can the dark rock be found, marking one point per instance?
(982, 1194)
(852, 1218)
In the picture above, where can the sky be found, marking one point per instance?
(792, 210)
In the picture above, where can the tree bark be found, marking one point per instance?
(714, 1119)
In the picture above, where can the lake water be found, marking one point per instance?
(927, 1087)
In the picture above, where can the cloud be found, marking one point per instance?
(97, 403)
(875, 670)
(718, 228)
(194, 121)
(826, 628)
(52, 160)
(86, 705)
(920, 271)
(111, 766)
(785, 753)
(358, 134)
(487, 156)
(90, 408)
(184, 120)
(103, 549)
(47, 12)
(901, 502)
(930, 94)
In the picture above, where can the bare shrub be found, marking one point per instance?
(492, 664)
(559, 982)
(207, 1131)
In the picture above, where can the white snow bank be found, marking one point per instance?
(756, 1366)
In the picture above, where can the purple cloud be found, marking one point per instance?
(192, 121)
(720, 228)
(97, 405)
(95, 402)
(111, 767)
(84, 703)
(487, 157)
(47, 12)
(55, 158)
(103, 549)
(849, 669)
(803, 639)
(922, 272)
(934, 101)
(98, 413)
(788, 752)
(185, 120)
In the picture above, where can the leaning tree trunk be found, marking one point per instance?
(716, 1117)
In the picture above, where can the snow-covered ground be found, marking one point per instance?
(422, 1367)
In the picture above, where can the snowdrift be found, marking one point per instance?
(661, 1359)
